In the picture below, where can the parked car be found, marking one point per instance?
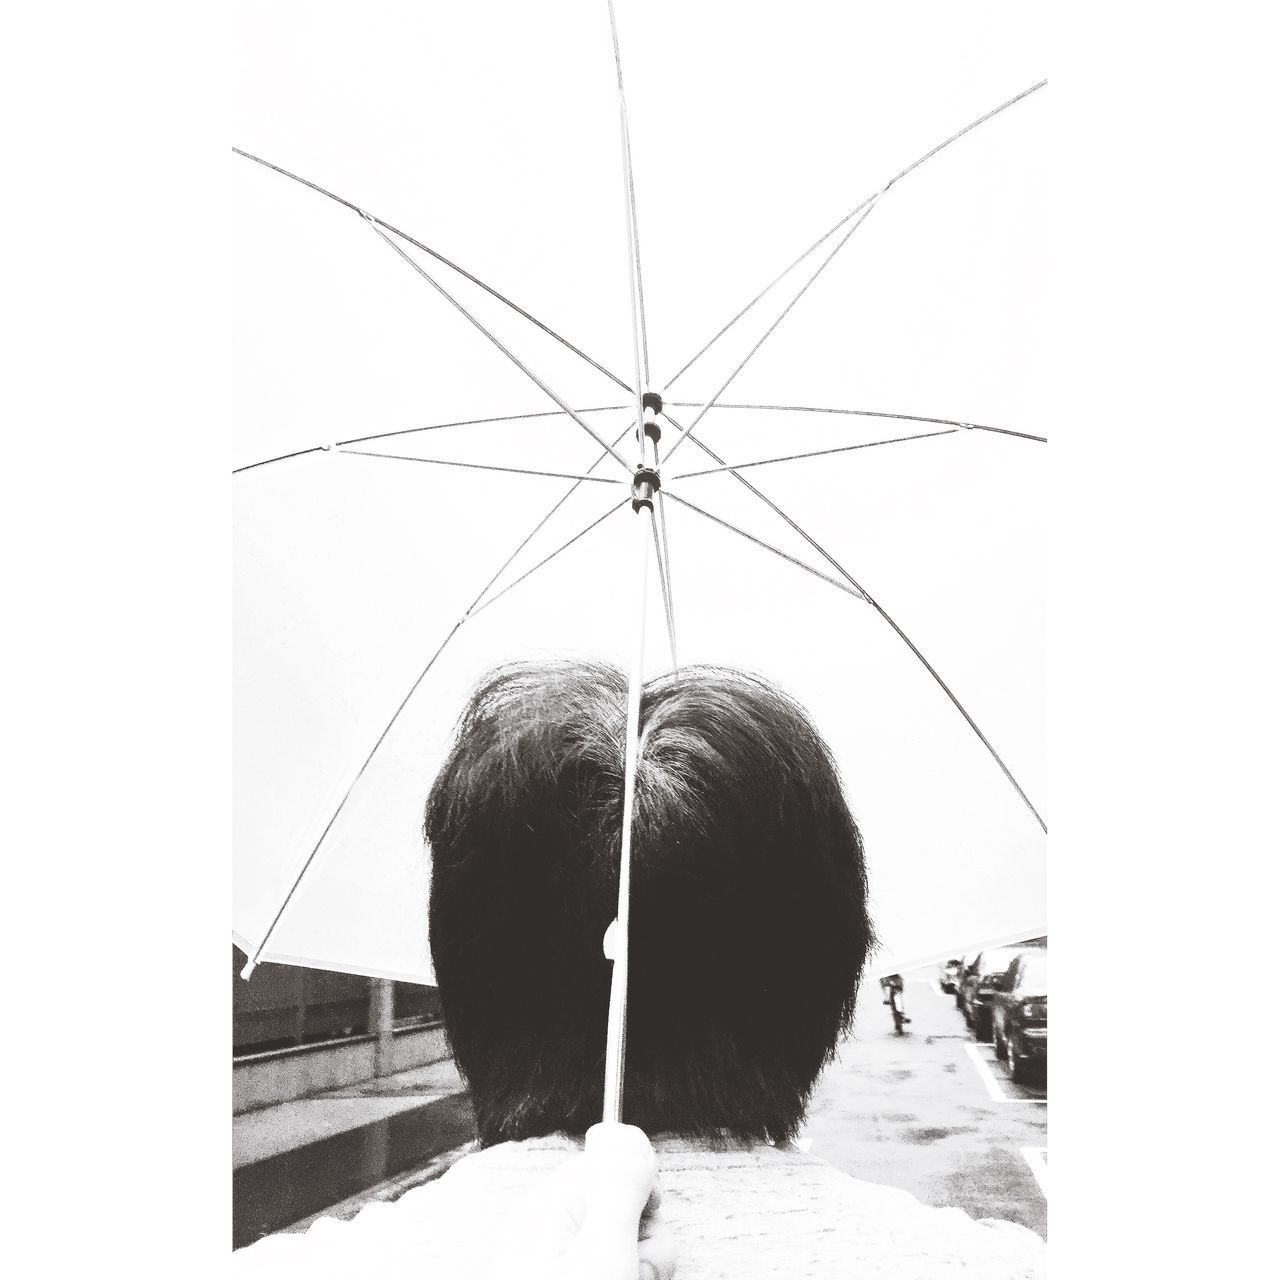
(1020, 1016)
(948, 974)
(965, 961)
(977, 988)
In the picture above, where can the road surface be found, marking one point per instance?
(933, 1112)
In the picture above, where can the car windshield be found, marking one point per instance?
(997, 961)
(1035, 972)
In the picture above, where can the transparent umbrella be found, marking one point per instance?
(470, 264)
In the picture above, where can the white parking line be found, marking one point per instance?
(989, 1079)
(993, 1086)
(1039, 1166)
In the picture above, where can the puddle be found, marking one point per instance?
(924, 1135)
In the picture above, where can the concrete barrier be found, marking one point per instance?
(265, 1079)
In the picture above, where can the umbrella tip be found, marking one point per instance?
(248, 970)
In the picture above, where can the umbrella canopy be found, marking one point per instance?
(879, 569)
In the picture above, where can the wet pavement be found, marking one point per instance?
(335, 1151)
(284, 1188)
(933, 1112)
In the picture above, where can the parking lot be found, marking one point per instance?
(932, 1111)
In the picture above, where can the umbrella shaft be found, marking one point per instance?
(616, 940)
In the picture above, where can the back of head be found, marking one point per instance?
(749, 925)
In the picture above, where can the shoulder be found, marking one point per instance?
(786, 1204)
(940, 1228)
(409, 1231)
(445, 1225)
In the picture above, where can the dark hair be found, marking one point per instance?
(749, 925)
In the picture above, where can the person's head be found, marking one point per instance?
(749, 924)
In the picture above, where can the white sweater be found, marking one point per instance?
(739, 1214)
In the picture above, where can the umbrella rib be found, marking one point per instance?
(851, 214)
(404, 702)
(471, 611)
(633, 222)
(439, 257)
(865, 413)
(564, 546)
(761, 341)
(973, 724)
(666, 591)
(906, 639)
(281, 457)
(635, 239)
(524, 368)
(782, 275)
(603, 408)
(533, 533)
(482, 466)
(768, 546)
(815, 453)
(475, 422)
(342, 804)
(438, 426)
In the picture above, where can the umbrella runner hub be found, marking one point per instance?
(646, 483)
